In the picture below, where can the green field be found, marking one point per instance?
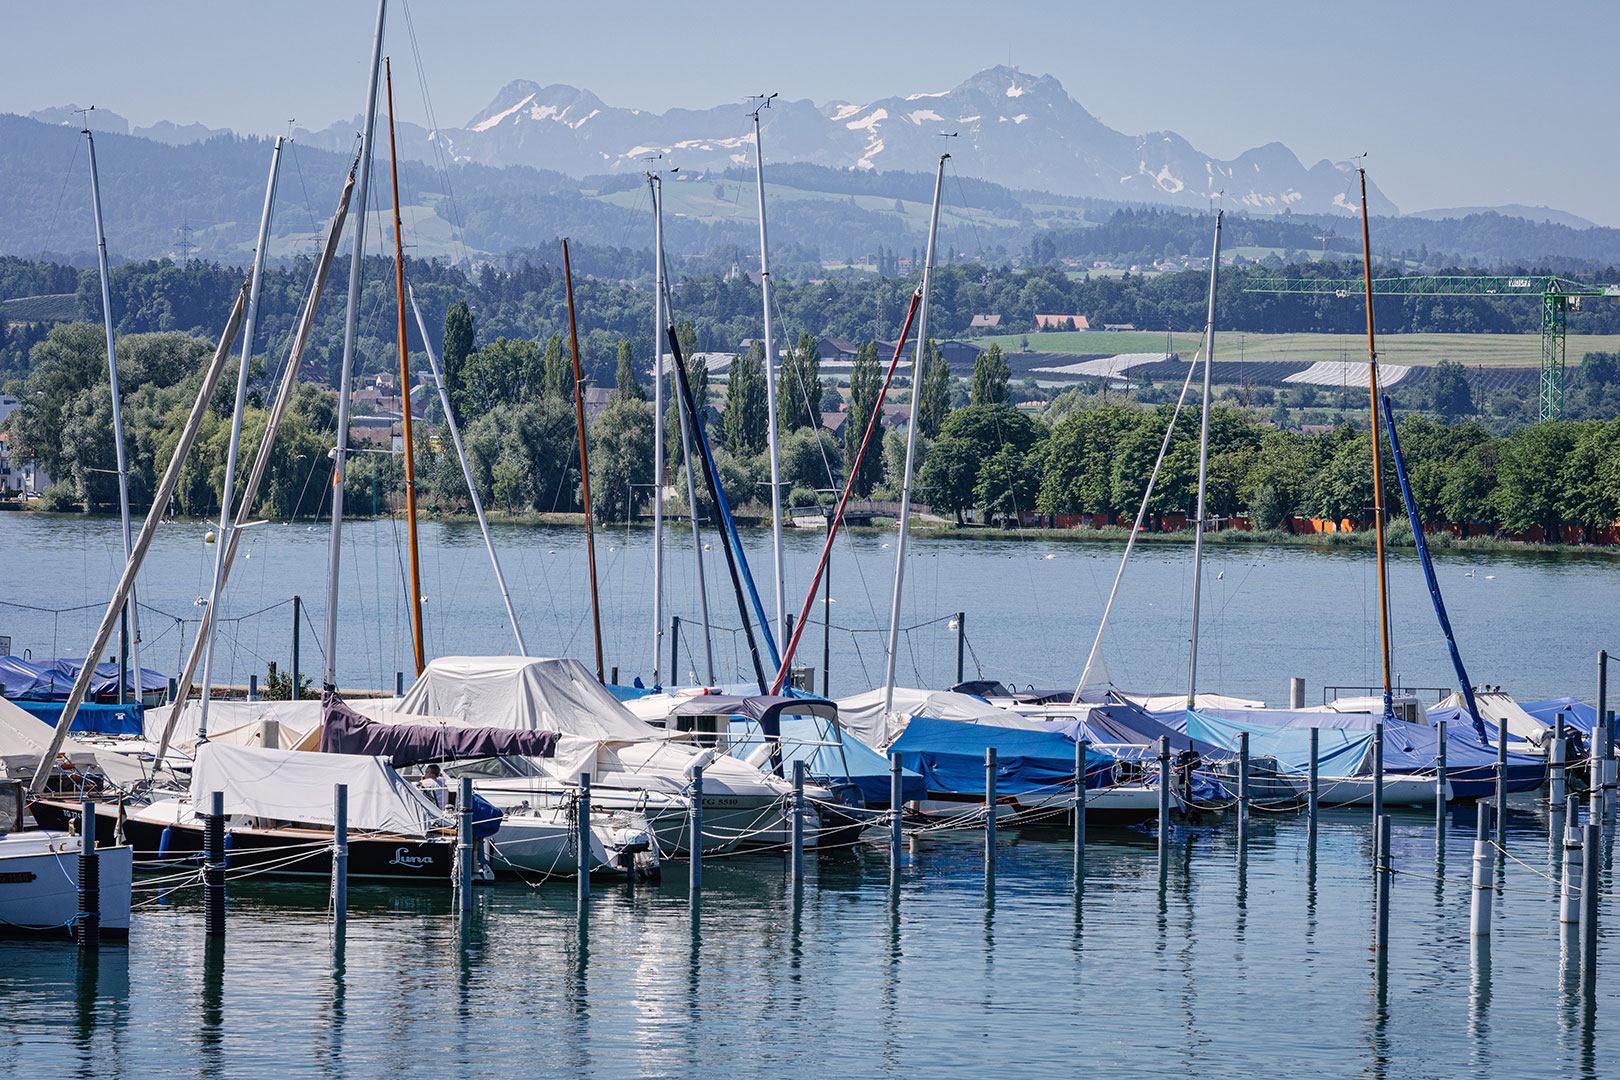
(1510, 350)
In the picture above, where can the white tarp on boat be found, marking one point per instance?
(24, 737)
(525, 693)
(1500, 710)
(862, 715)
(293, 785)
(1159, 703)
(224, 716)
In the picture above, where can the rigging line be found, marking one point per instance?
(457, 222)
(309, 204)
(67, 178)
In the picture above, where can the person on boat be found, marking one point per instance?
(433, 783)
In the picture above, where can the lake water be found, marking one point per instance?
(1531, 622)
(1213, 961)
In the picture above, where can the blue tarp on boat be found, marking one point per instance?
(52, 680)
(100, 719)
(950, 757)
(854, 762)
(1577, 714)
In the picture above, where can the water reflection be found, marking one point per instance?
(335, 1007)
(210, 1031)
(1479, 1002)
(1380, 1028)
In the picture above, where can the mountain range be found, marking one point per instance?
(1022, 131)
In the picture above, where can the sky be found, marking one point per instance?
(1455, 104)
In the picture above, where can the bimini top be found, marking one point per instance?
(525, 693)
(295, 785)
(764, 709)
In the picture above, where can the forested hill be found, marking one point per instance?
(818, 214)
(528, 302)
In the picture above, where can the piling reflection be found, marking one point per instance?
(1380, 1027)
(210, 1029)
(1586, 1038)
(795, 929)
(330, 1052)
(1479, 1002)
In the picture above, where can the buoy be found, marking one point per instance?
(208, 538)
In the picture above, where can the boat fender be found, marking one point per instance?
(165, 840)
(227, 849)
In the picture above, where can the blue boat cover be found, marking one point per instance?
(854, 763)
(950, 757)
(100, 719)
(1577, 714)
(52, 680)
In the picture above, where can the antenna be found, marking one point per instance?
(764, 101)
(182, 242)
(84, 116)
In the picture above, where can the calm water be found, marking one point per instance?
(1214, 963)
(1219, 963)
(1530, 622)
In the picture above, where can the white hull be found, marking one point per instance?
(39, 883)
(545, 842)
(1132, 801)
(730, 820)
(1400, 789)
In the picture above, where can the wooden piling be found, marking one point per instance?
(1384, 871)
(464, 847)
(87, 927)
(896, 809)
(1080, 747)
(1555, 764)
(990, 809)
(695, 862)
(583, 837)
(340, 853)
(1243, 787)
(1479, 917)
(1164, 790)
(1569, 907)
(214, 866)
(798, 819)
(1313, 792)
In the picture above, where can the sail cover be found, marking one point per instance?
(403, 743)
(297, 786)
(523, 693)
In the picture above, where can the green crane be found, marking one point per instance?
(1558, 298)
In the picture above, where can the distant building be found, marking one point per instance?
(838, 349)
(21, 477)
(833, 422)
(597, 399)
(986, 322)
(1119, 326)
(1062, 322)
(896, 416)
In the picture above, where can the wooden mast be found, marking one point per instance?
(584, 463)
(1377, 456)
(405, 388)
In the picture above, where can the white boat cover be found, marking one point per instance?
(293, 785)
(1158, 703)
(527, 694)
(1500, 710)
(24, 737)
(227, 716)
(862, 715)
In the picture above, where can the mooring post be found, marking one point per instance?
(1479, 915)
(614, 678)
(1609, 778)
(1589, 908)
(1501, 787)
(214, 866)
(1602, 745)
(695, 863)
(298, 606)
(253, 688)
(87, 927)
(399, 684)
(464, 846)
(1243, 787)
(896, 808)
(340, 853)
(1555, 763)
(990, 808)
(1313, 790)
(174, 689)
(583, 836)
(1080, 748)
(1164, 791)
(1569, 907)
(1381, 940)
(798, 819)
(1378, 772)
(674, 650)
(1296, 693)
(961, 642)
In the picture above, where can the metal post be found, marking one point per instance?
(1378, 772)
(340, 853)
(1441, 781)
(1501, 787)
(214, 866)
(695, 863)
(961, 642)
(1555, 761)
(674, 648)
(1381, 938)
(1589, 908)
(1479, 915)
(798, 820)
(1609, 778)
(826, 622)
(253, 688)
(1243, 787)
(399, 684)
(990, 808)
(1296, 693)
(896, 808)
(87, 927)
(298, 604)
(1313, 788)
(464, 846)
(583, 806)
(1080, 748)
(1164, 790)
(1569, 908)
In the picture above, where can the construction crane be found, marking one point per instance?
(1559, 297)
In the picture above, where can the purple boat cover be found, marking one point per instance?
(345, 731)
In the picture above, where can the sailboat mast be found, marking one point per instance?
(911, 444)
(405, 386)
(1377, 456)
(222, 539)
(584, 463)
(691, 499)
(466, 471)
(655, 186)
(346, 372)
(131, 619)
(1203, 463)
(770, 380)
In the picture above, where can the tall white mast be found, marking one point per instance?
(340, 453)
(655, 183)
(770, 378)
(911, 446)
(1203, 463)
(223, 538)
(131, 613)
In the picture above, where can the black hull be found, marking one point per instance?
(1043, 815)
(278, 852)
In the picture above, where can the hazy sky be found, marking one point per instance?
(1456, 104)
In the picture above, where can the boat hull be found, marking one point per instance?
(39, 885)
